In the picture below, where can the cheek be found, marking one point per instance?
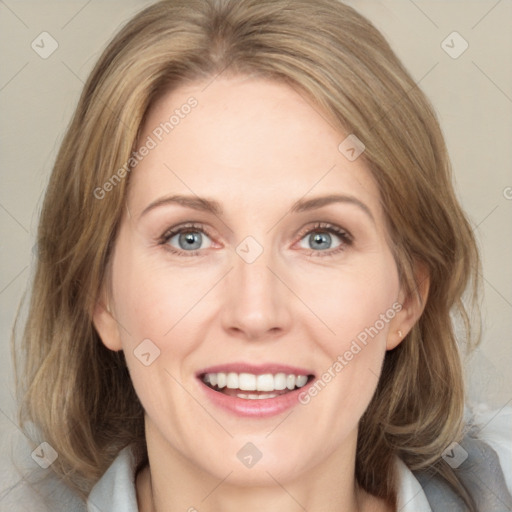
(151, 308)
(151, 297)
(354, 302)
(167, 306)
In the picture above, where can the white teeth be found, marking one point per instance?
(250, 382)
(280, 381)
(255, 397)
(301, 380)
(247, 382)
(221, 379)
(232, 381)
(213, 378)
(265, 382)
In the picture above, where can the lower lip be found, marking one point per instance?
(257, 408)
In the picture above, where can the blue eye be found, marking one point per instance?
(186, 239)
(320, 239)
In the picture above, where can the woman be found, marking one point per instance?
(249, 252)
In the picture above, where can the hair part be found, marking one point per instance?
(78, 393)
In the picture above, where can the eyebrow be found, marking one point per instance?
(204, 204)
(195, 202)
(318, 202)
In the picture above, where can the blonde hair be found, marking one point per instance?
(78, 393)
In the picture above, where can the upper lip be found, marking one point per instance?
(259, 369)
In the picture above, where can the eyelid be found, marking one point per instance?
(187, 226)
(325, 226)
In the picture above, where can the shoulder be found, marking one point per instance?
(494, 428)
(30, 486)
(39, 490)
(482, 462)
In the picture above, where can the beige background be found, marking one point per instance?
(472, 95)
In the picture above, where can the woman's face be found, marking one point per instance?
(282, 276)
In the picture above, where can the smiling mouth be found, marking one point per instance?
(254, 387)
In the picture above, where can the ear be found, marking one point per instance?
(413, 305)
(105, 324)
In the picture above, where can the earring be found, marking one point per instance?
(400, 334)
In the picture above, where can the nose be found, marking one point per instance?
(256, 302)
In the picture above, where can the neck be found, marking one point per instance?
(173, 483)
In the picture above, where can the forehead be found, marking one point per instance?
(244, 141)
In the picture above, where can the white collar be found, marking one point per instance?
(115, 490)
(410, 494)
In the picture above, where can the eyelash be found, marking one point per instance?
(320, 227)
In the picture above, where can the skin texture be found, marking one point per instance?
(256, 147)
